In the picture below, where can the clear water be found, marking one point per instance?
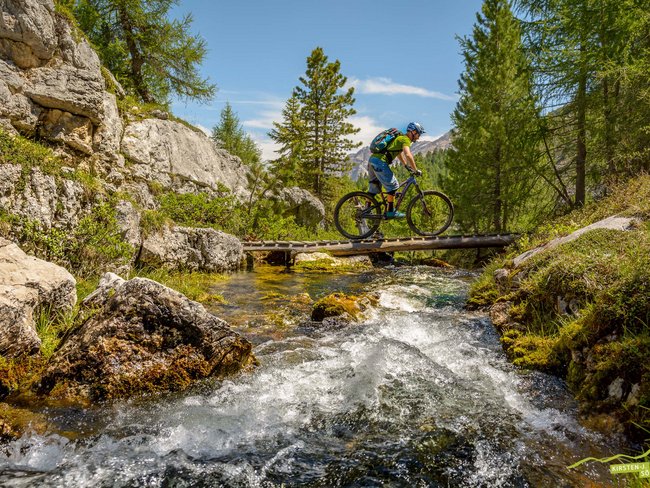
(418, 395)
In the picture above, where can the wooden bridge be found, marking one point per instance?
(346, 248)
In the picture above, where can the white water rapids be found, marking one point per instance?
(418, 395)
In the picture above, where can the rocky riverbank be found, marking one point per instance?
(574, 300)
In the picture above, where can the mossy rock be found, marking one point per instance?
(338, 304)
(14, 422)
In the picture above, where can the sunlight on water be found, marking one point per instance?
(419, 395)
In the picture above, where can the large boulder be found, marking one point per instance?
(142, 338)
(305, 207)
(180, 158)
(27, 284)
(192, 249)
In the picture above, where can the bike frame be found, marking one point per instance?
(410, 181)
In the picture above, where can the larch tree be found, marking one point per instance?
(325, 111)
(153, 56)
(492, 166)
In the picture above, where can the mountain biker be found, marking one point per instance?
(379, 172)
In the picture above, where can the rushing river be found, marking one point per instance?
(420, 394)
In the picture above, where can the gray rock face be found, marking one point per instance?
(50, 81)
(145, 337)
(305, 207)
(163, 148)
(193, 249)
(27, 283)
(42, 199)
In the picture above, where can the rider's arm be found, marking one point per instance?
(406, 154)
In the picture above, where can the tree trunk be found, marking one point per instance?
(498, 203)
(581, 144)
(137, 59)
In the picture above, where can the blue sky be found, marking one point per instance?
(402, 57)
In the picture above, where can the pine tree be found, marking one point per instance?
(152, 56)
(290, 135)
(230, 135)
(492, 165)
(325, 112)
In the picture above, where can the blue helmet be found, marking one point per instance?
(416, 127)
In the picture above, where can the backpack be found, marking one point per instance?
(381, 141)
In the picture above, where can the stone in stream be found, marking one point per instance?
(141, 337)
(350, 307)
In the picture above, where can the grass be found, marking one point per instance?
(193, 284)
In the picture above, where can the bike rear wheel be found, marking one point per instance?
(430, 213)
(357, 215)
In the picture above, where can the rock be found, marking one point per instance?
(15, 422)
(78, 91)
(350, 307)
(143, 338)
(26, 284)
(615, 389)
(305, 207)
(108, 136)
(321, 260)
(614, 223)
(163, 148)
(73, 130)
(501, 277)
(500, 314)
(42, 199)
(192, 249)
(28, 29)
(128, 221)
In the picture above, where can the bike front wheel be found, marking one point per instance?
(357, 215)
(430, 213)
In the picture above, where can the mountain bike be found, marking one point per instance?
(358, 214)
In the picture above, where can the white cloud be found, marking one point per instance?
(369, 128)
(386, 86)
(265, 118)
(204, 129)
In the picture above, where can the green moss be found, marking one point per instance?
(329, 265)
(534, 352)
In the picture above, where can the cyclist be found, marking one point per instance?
(379, 172)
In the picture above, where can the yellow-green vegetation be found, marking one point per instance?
(338, 304)
(582, 309)
(193, 284)
(332, 266)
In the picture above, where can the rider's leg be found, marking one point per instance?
(384, 174)
(374, 184)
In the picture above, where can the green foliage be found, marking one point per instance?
(200, 210)
(230, 135)
(290, 135)
(87, 249)
(28, 154)
(590, 61)
(152, 56)
(493, 163)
